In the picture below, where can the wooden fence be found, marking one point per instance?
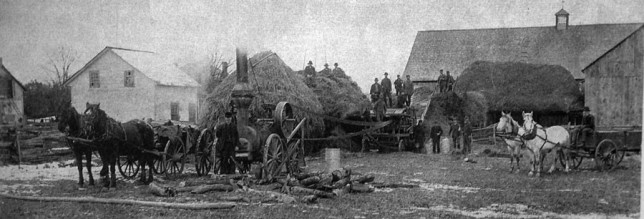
(486, 134)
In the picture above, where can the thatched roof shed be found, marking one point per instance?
(274, 81)
(516, 86)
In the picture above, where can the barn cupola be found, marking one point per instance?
(561, 18)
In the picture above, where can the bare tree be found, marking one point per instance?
(215, 61)
(59, 62)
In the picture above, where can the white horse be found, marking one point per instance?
(540, 141)
(510, 128)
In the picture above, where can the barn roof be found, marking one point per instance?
(612, 48)
(151, 64)
(454, 50)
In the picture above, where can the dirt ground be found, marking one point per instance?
(447, 187)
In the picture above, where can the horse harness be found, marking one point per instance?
(513, 135)
(533, 135)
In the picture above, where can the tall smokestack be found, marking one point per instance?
(242, 95)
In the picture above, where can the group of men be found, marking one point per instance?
(310, 73)
(456, 131)
(382, 91)
(445, 82)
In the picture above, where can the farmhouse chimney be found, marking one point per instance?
(561, 19)
(242, 95)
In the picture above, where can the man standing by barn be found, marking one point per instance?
(408, 86)
(386, 89)
(435, 135)
(375, 90)
(227, 140)
(587, 125)
(467, 132)
(419, 136)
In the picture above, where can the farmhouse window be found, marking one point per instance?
(192, 112)
(94, 81)
(129, 78)
(174, 111)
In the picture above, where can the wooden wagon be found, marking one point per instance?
(607, 146)
(396, 136)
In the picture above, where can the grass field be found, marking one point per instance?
(448, 187)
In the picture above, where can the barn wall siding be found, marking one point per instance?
(614, 84)
(16, 111)
(119, 102)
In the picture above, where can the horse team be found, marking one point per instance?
(539, 141)
(109, 138)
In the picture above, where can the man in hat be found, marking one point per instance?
(455, 132)
(435, 135)
(337, 71)
(227, 140)
(326, 71)
(442, 82)
(375, 90)
(398, 85)
(309, 73)
(419, 135)
(587, 125)
(386, 89)
(450, 81)
(408, 86)
(467, 132)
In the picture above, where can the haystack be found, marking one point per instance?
(339, 94)
(274, 82)
(513, 86)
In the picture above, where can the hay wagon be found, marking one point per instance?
(395, 136)
(172, 144)
(280, 146)
(607, 146)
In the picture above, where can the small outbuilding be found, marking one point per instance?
(11, 97)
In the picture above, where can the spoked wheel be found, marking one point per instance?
(203, 154)
(128, 166)
(575, 160)
(294, 162)
(159, 164)
(273, 153)
(608, 155)
(175, 153)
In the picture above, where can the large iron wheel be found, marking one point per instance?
(575, 160)
(273, 156)
(283, 116)
(203, 154)
(293, 163)
(175, 156)
(608, 155)
(128, 166)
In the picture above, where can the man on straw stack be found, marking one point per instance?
(337, 71)
(375, 91)
(442, 82)
(398, 85)
(227, 140)
(379, 108)
(309, 72)
(408, 86)
(450, 81)
(386, 89)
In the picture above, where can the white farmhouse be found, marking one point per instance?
(133, 84)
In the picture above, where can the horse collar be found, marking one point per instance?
(532, 134)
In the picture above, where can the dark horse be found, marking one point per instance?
(134, 138)
(71, 123)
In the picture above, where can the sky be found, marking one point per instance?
(366, 38)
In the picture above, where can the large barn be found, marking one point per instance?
(570, 46)
(614, 83)
(11, 97)
(133, 84)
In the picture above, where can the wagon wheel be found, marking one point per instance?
(128, 166)
(203, 153)
(293, 165)
(175, 158)
(273, 150)
(284, 117)
(574, 158)
(608, 155)
(158, 163)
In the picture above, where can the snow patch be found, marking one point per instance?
(433, 187)
(511, 211)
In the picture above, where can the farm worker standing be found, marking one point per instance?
(375, 90)
(398, 85)
(379, 108)
(386, 89)
(435, 135)
(588, 125)
(450, 81)
(326, 70)
(419, 136)
(408, 86)
(467, 132)
(309, 73)
(442, 82)
(455, 132)
(227, 140)
(337, 71)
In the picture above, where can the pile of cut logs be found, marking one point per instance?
(307, 187)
